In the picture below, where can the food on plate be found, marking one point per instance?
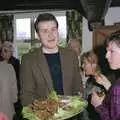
(55, 107)
(44, 109)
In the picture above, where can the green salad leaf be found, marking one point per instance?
(53, 95)
(28, 114)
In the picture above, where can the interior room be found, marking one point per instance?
(25, 11)
(41, 77)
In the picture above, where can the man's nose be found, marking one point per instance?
(50, 33)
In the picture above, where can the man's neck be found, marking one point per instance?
(50, 51)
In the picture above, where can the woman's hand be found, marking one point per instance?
(96, 100)
(101, 79)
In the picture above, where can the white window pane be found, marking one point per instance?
(62, 26)
(62, 30)
(23, 29)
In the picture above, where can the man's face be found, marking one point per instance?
(113, 55)
(48, 34)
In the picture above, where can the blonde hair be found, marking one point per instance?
(7, 44)
(91, 57)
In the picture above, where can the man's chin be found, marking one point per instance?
(51, 47)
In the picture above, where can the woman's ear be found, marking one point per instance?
(94, 67)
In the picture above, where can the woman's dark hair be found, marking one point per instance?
(113, 37)
(44, 17)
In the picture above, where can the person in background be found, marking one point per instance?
(108, 106)
(75, 45)
(91, 69)
(50, 66)
(7, 55)
(7, 50)
(8, 89)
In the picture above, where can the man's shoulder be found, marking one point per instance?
(31, 54)
(66, 50)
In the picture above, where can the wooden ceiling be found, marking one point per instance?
(45, 4)
(93, 10)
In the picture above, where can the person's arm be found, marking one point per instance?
(26, 81)
(13, 84)
(113, 113)
(103, 112)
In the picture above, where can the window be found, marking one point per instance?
(23, 29)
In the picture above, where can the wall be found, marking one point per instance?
(86, 37)
(112, 16)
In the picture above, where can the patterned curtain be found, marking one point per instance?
(6, 28)
(74, 25)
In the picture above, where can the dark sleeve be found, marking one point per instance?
(17, 70)
(111, 110)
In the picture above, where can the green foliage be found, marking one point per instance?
(62, 43)
(53, 95)
(23, 48)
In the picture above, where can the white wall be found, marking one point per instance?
(86, 37)
(112, 16)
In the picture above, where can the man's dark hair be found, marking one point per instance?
(113, 37)
(44, 17)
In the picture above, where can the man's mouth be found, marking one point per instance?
(51, 40)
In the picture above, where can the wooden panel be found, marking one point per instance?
(100, 34)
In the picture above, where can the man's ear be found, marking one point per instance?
(38, 36)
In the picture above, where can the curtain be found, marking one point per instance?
(6, 28)
(74, 25)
